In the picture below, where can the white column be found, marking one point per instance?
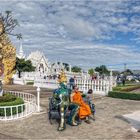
(38, 99)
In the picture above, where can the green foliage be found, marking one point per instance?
(127, 72)
(7, 98)
(115, 73)
(102, 70)
(76, 69)
(13, 100)
(66, 66)
(124, 95)
(91, 72)
(29, 83)
(23, 65)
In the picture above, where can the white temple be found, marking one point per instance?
(57, 67)
(41, 63)
(39, 60)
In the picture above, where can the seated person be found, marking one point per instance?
(88, 98)
(84, 110)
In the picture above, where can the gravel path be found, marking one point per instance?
(109, 122)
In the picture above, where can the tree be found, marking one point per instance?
(115, 73)
(23, 65)
(76, 69)
(66, 66)
(102, 70)
(7, 50)
(91, 72)
(7, 24)
(127, 72)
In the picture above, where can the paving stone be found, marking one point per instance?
(109, 124)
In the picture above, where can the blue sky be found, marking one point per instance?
(81, 32)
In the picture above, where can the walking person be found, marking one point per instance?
(71, 82)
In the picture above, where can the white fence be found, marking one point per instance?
(22, 110)
(84, 82)
(46, 83)
(19, 81)
(99, 86)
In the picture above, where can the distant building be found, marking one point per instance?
(41, 63)
(136, 72)
(57, 67)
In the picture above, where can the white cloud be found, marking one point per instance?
(62, 29)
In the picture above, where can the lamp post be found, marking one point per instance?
(38, 99)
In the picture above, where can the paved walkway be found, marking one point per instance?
(109, 122)
(134, 119)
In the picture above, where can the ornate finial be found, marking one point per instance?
(63, 77)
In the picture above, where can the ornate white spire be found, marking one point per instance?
(21, 53)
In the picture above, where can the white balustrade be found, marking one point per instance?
(98, 86)
(22, 110)
(46, 83)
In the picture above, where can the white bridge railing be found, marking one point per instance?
(98, 86)
(22, 110)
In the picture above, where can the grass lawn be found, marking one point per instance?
(125, 92)
(127, 87)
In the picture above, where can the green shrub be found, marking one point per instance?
(13, 101)
(124, 95)
(7, 98)
(29, 83)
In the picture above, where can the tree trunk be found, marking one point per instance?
(19, 74)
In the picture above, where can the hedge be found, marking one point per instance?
(29, 83)
(7, 98)
(124, 95)
(126, 88)
(17, 101)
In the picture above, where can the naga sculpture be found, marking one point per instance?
(61, 98)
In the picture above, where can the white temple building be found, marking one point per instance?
(41, 63)
(57, 67)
